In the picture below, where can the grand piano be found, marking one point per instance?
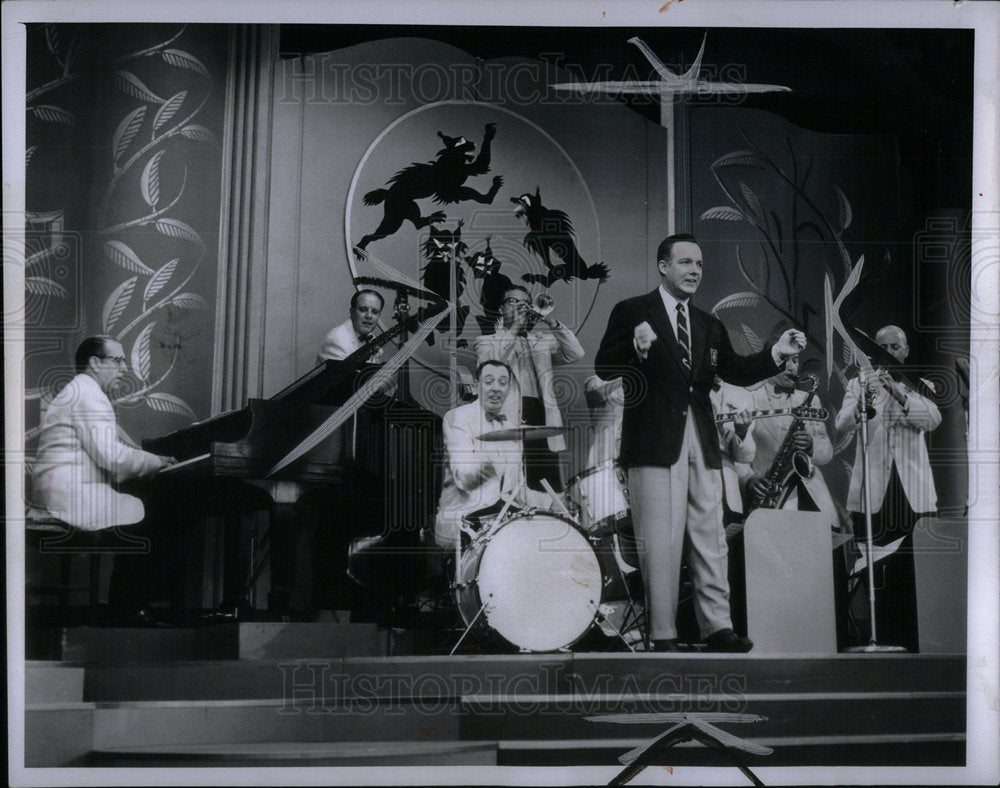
(373, 476)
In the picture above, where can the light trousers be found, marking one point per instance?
(674, 509)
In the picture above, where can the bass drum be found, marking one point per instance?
(539, 579)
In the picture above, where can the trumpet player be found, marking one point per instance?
(901, 483)
(531, 353)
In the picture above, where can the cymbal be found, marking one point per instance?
(525, 433)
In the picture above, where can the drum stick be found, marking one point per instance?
(556, 498)
(507, 501)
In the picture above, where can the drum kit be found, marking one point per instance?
(541, 580)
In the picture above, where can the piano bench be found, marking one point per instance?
(46, 535)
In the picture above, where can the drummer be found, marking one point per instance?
(482, 473)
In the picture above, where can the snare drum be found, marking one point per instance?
(599, 496)
(536, 579)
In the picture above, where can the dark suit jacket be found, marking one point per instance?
(659, 390)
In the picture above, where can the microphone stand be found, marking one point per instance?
(866, 488)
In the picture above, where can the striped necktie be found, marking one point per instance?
(683, 338)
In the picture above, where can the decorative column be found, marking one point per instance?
(240, 328)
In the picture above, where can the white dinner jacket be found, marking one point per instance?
(770, 434)
(464, 490)
(80, 455)
(340, 342)
(895, 436)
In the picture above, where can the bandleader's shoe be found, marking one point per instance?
(663, 646)
(216, 617)
(725, 640)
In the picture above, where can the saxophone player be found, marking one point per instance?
(807, 493)
(803, 492)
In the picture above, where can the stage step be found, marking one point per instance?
(229, 641)
(842, 709)
(57, 734)
(270, 754)
(526, 717)
(296, 641)
(584, 675)
(771, 673)
(228, 722)
(329, 679)
(875, 750)
(47, 682)
(94, 645)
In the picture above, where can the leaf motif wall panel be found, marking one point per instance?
(124, 130)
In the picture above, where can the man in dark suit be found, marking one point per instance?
(668, 354)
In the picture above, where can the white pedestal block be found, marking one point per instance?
(789, 582)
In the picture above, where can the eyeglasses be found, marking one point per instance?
(117, 359)
(510, 301)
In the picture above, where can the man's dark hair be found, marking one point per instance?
(367, 291)
(667, 244)
(504, 364)
(91, 346)
(513, 287)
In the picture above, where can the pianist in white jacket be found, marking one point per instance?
(80, 453)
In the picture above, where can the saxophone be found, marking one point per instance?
(788, 462)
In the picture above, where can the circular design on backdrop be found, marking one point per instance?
(52, 380)
(527, 159)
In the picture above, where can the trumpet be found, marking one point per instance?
(891, 388)
(874, 389)
(541, 306)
